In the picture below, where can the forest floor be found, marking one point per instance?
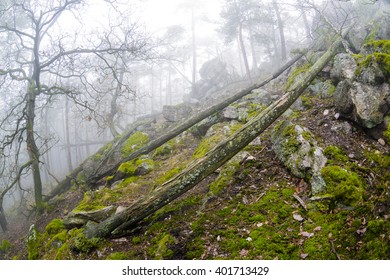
(253, 210)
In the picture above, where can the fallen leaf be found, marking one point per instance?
(306, 234)
(304, 256)
(361, 231)
(298, 217)
(244, 253)
(317, 228)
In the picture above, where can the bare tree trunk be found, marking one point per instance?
(254, 59)
(3, 220)
(32, 149)
(305, 22)
(241, 40)
(194, 58)
(118, 224)
(67, 135)
(281, 31)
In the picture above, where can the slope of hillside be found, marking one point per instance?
(262, 204)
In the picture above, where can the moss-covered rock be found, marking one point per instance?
(345, 186)
(161, 247)
(298, 150)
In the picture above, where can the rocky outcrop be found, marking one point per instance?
(77, 219)
(296, 148)
(365, 104)
(363, 93)
(175, 113)
(214, 76)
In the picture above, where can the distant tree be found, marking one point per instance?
(41, 62)
(239, 16)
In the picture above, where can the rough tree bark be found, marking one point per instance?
(188, 123)
(118, 224)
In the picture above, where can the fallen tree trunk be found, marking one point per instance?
(224, 151)
(188, 123)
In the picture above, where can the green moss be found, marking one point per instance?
(224, 178)
(90, 202)
(163, 150)
(128, 168)
(336, 154)
(386, 133)
(380, 54)
(345, 186)
(136, 240)
(117, 256)
(81, 177)
(306, 102)
(378, 160)
(5, 246)
(168, 175)
(63, 253)
(33, 243)
(102, 151)
(382, 46)
(81, 244)
(161, 247)
(55, 226)
(295, 73)
(134, 142)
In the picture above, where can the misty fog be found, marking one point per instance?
(75, 74)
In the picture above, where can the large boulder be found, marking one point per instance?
(365, 104)
(77, 219)
(296, 148)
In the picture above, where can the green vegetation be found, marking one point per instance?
(345, 186)
(335, 154)
(134, 142)
(292, 78)
(5, 246)
(102, 151)
(136, 167)
(380, 54)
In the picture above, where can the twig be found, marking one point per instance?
(333, 248)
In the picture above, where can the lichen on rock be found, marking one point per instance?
(297, 149)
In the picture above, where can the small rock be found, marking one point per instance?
(259, 225)
(337, 116)
(351, 155)
(218, 238)
(326, 112)
(249, 239)
(381, 141)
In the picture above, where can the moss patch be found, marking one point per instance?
(134, 142)
(345, 186)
